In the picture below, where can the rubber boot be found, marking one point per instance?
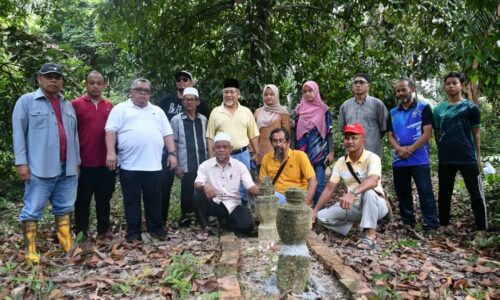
(29, 229)
(63, 225)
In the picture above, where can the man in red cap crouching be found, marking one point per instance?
(364, 201)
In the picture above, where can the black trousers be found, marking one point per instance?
(474, 185)
(239, 220)
(167, 180)
(187, 189)
(100, 183)
(145, 183)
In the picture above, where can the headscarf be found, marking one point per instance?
(270, 113)
(311, 113)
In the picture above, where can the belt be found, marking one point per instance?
(242, 149)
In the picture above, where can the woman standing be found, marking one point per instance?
(272, 115)
(313, 132)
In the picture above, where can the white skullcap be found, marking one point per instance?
(190, 91)
(222, 136)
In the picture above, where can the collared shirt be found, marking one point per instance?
(36, 135)
(455, 123)
(91, 121)
(297, 172)
(372, 114)
(140, 132)
(407, 125)
(226, 180)
(367, 165)
(240, 126)
(190, 137)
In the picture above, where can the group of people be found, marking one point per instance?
(68, 152)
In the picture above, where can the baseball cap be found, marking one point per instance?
(184, 73)
(51, 68)
(190, 91)
(355, 128)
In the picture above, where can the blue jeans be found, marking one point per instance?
(244, 157)
(402, 184)
(59, 190)
(320, 177)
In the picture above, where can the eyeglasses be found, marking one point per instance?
(179, 79)
(190, 99)
(360, 82)
(279, 141)
(142, 91)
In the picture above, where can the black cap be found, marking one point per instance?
(51, 68)
(364, 75)
(184, 73)
(231, 83)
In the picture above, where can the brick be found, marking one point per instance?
(229, 288)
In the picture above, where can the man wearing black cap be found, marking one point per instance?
(367, 110)
(47, 156)
(172, 105)
(237, 121)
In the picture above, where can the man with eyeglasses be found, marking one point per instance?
(237, 121)
(366, 110)
(172, 105)
(140, 131)
(47, 157)
(287, 167)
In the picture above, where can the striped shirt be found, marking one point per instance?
(190, 138)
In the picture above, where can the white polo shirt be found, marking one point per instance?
(140, 133)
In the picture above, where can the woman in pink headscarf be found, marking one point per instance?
(313, 132)
(272, 115)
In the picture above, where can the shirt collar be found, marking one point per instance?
(87, 98)
(413, 105)
(185, 116)
(361, 159)
(131, 104)
(229, 163)
(364, 101)
(39, 95)
(288, 153)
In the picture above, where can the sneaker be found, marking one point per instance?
(162, 236)
(136, 237)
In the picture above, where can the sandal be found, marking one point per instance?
(202, 236)
(366, 243)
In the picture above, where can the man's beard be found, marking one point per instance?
(404, 99)
(279, 153)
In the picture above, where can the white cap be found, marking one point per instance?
(190, 91)
(222, 136)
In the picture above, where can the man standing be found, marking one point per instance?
(237, 121)
(457, 124)
(217, 189)
(92, 111)
(287, 167)
(409, 130)
(142, 130)
(46, 156)
(172, 105)
(366, 110)
(190, 137)
(361, 171)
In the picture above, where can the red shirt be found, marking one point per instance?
(60, 127)
(91, 121)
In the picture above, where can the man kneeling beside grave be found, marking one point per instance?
(217, 190)
(364, 202)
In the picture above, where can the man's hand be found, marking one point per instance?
(404, 152)
(172, 162)
(23, 171)
(255, 157)
(210, 191)
(111, 161)
(329, 159)
(314, 215)
(347, 200)
(178, 172)
(78, 170)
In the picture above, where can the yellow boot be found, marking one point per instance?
(63, 225)
(29, 228)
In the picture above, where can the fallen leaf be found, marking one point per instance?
(461, 284)
(165, 291)
(206, 285)
(56, 294)
(422, 275)
(483, 269)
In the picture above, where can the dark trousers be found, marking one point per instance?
(187, 189)
(239, 220)
(100, 183)
(145, 183)
(402, 184)
(474, 185)
(167, 180)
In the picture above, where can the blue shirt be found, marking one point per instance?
(36, 137)
(407, 127)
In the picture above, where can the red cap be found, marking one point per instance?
(355, 128)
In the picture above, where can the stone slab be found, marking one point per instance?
(229, 288)
(346, 275)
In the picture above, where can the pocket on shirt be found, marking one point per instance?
(39, 119)
(71, 119)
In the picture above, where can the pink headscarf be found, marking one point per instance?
(311, 113)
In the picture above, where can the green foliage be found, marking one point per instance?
(410, 243)
(36, 283)
(181, 272)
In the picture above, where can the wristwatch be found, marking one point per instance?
(173, 153)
